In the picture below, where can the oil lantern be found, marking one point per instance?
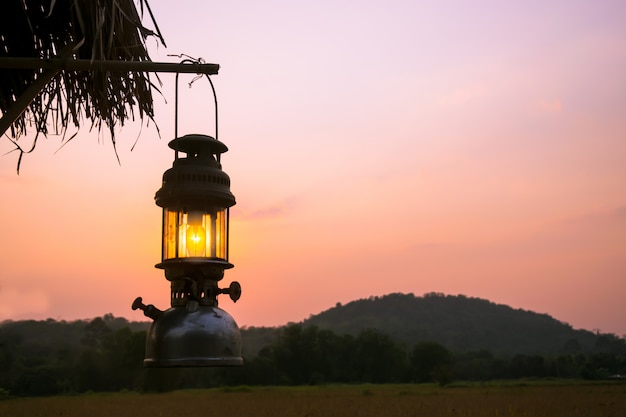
(195, 197)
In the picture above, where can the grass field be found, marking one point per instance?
(488, 400)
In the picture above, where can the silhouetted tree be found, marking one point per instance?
(95, 332)
(431, 362)
(378, 358)
(476, 365)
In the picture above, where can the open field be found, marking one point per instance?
(515, 400)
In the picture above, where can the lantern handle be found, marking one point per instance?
(194, 61)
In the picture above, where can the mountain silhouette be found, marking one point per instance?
(458, 322)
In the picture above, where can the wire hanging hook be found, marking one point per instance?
(193, 61)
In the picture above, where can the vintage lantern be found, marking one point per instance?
(195, 197)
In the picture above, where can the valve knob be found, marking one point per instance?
(233, 290)
(148, 310)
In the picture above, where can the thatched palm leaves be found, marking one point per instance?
(81, 29)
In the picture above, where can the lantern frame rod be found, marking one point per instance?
(71, 64)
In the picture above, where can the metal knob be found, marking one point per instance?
(148, 310)
(233, 290)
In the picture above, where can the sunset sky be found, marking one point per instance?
(463, 147)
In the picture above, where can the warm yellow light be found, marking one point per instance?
(196, 243)
(170, 228)
(195, 235)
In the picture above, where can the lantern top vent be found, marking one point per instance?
(196, 180)
(197, 145)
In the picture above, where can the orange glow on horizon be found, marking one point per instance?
(443, 149)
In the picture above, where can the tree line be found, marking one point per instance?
(107, 359)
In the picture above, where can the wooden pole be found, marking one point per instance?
(71, 64)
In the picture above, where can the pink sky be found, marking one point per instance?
(474, 148)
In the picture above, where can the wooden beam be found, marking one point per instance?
(71, 64)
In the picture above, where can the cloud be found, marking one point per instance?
(550, 106)
(15, 302)
(268, 212)
(265, 213)
(610, 218)
(462, 95)
(619, 212)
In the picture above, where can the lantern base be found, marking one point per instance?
(207, 336)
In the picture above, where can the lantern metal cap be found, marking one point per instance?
(198, 144)
(196, 180)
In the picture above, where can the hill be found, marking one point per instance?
(393, 338)
(458, 322)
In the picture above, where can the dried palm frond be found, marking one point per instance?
(82, 29)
